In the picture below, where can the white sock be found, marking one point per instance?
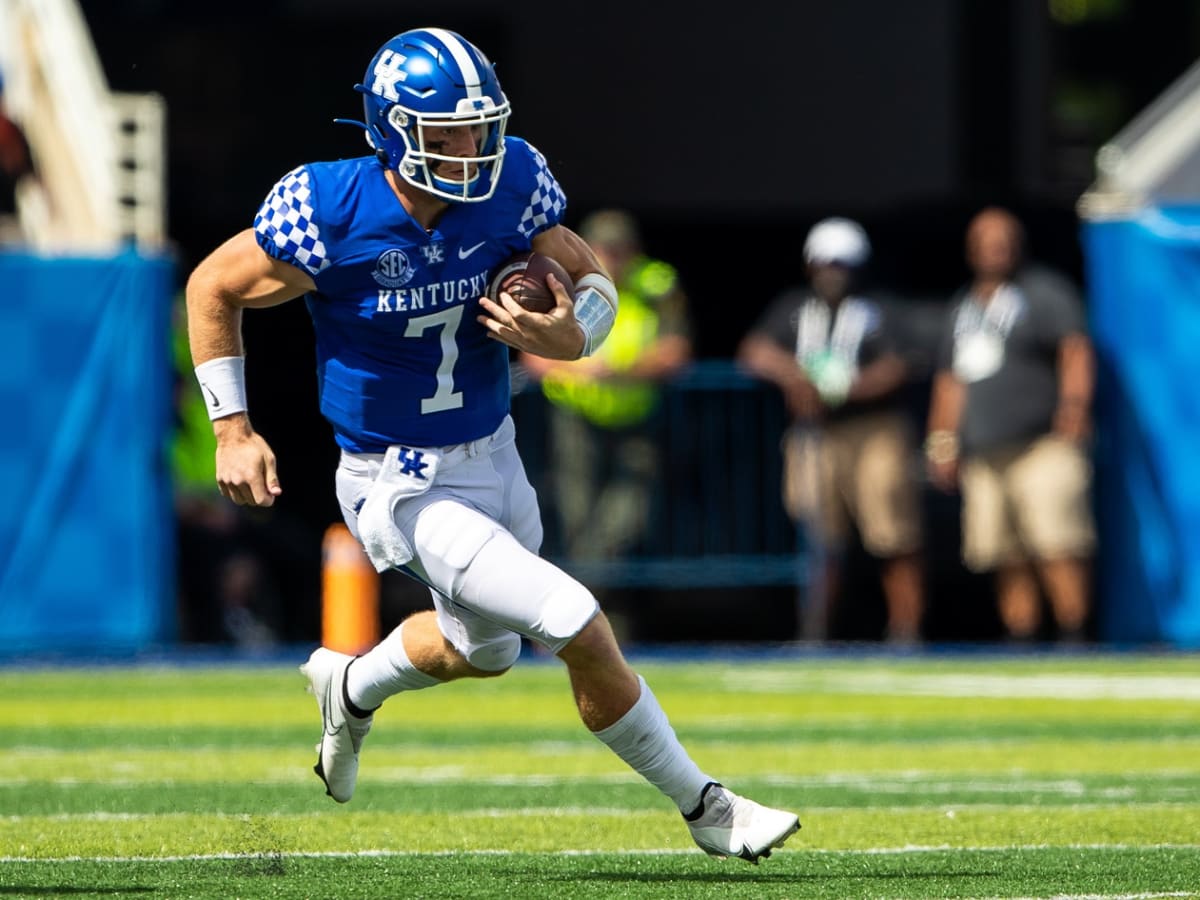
(382, 671)
(646, 741)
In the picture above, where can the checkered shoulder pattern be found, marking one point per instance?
(546, 203)
(285, 220)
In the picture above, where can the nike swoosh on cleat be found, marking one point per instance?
(464, 252)
(320, 770)
(325, 715)
(750, 856)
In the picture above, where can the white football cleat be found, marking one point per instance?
(341, 733)
(734, 826)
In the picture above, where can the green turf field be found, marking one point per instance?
(968, 776)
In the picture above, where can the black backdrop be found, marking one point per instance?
(728, 135)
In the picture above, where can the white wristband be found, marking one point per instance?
(595, 309)
(223, 383)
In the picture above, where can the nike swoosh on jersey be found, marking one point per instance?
(464, 252)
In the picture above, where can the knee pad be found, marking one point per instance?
(571, 606)
(483, 569)
(495, 655)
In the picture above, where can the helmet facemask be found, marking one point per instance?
(461, 179)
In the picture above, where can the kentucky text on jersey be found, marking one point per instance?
(401, 358)
(442, 293)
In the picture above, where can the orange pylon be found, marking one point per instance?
(349, 594)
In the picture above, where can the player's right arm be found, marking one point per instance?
(237, 275)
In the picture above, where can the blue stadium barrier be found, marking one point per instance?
(85, 380)
(1143, 274)
(717, 519)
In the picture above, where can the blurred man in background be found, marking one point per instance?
(848, 457)
(604, 451)
(1008, 422)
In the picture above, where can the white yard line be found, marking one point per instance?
(909, 780)
(952, 684)
(676, 851)
(948, 809)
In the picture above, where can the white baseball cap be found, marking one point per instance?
(837, 240)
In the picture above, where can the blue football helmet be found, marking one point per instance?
(433, 78)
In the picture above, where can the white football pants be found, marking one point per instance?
(475, 534)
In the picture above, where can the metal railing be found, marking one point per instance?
(716, 515)
(100, 156)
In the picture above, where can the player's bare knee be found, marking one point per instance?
(595, 644)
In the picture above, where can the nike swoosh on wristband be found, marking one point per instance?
(464, 252)
(215, 402)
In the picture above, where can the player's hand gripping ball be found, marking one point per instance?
(523, 277)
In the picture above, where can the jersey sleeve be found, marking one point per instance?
(286, 226)
(546, 200)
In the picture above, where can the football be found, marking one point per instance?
(523, 277)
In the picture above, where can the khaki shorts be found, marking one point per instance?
(859, 471)
(1029, 503)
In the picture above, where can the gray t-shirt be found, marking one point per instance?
(857, 330)
(1006, 353)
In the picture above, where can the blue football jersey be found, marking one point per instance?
(400, 357)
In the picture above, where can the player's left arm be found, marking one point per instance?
(571, 251)
(578, 324)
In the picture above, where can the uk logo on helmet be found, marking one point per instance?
(393, 269)
(387, 72)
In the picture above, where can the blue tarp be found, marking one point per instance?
(1144, 301)
(85, 519)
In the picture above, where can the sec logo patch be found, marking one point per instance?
(393, 269)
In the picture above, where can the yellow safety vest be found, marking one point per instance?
(613, 404)
(193, 446)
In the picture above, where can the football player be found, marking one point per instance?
(392, 253)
